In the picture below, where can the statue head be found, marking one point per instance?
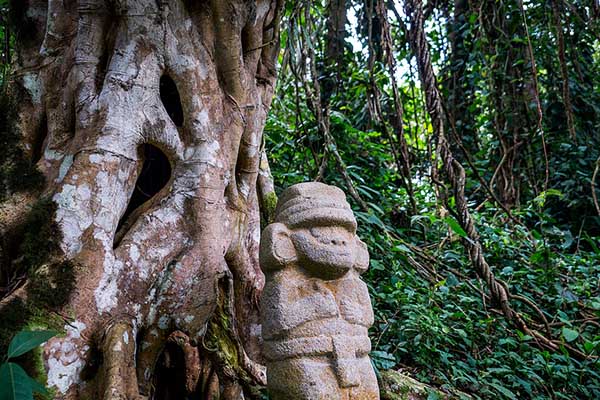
(314, 230)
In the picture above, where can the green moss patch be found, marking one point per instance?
(41, 235)
(17, 172)
(51, 286)
(399, 386)
(269, 205)
(50, 281)
(48, 290)
(219, 340)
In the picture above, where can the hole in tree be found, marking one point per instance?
(154, 175)
(92, 367)
(170, 375)
(102, 68)
(169, 95)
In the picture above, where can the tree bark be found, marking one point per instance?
(334, 66)
(145, 117)
(460, 86)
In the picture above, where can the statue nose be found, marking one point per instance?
(337, 241)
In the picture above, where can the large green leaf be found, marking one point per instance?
(15, 384)
(28, 340)
(37, 387)
(455, 226)
(569, 334)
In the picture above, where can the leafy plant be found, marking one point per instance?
(433, 315)
(15, 383)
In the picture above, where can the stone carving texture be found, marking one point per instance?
(315, 308)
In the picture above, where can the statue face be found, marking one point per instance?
(328, 252)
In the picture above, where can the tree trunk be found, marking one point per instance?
(334, 66)
(513, 92)
(145, 117)
(461, 87)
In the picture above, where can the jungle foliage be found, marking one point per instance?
(521, 97)
(521, 100)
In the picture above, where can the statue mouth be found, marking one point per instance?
(322, 258)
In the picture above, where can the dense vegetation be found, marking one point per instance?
(521, 100)
(520, 93)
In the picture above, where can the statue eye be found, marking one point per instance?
(316, 232)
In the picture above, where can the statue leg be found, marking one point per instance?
(303, 379)
(368, 389)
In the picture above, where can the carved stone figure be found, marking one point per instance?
(315, 309)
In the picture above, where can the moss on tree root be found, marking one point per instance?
(269, 204)
(219, 338)
(50, 280)
(220, 342)
(17, 172)
(398, 386)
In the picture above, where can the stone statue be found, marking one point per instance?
(315, 309)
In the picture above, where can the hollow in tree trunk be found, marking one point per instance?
(145, 119)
